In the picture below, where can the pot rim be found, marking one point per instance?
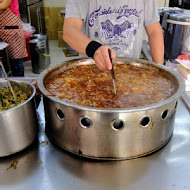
(175, 96)
(21, 104)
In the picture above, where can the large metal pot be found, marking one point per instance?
(18, 125)
(176, 26)
(110, 133)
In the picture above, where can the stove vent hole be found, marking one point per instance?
(60, 114)
(145, 121)
(165, 114)
(117, 124)
(85, 122)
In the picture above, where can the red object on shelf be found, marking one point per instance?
(184, 57)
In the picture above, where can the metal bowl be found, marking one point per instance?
(110, 134)
(18, 125)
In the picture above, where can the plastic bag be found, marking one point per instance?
(187, 44)
(184, 60)
(28, 29)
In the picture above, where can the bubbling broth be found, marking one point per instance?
(87, 86)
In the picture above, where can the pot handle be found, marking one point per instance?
(164, 21)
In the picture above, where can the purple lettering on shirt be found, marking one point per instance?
(121, 12)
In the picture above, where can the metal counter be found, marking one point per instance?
(44, 166)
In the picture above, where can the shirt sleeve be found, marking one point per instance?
(76, 9)
(151, 12)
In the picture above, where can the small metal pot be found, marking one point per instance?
(18, 125)
(110, 134)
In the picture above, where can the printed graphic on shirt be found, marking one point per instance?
(117, 28)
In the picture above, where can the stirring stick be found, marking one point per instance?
(10, 86)
(112, 73)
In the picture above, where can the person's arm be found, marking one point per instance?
(156, 42)
(73, 36)
(5, 4)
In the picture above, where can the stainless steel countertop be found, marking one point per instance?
(44, 166)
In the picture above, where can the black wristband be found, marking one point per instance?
(92, 47)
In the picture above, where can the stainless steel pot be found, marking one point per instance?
(18, 125)
(110, 133)
(176, 26)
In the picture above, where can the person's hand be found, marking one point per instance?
(101, 58)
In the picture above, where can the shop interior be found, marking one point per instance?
(38, 17)
(49, 143)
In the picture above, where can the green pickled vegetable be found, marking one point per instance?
(7, 100)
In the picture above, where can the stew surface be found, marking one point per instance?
(88, 86)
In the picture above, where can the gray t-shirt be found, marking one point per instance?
(116, 23)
